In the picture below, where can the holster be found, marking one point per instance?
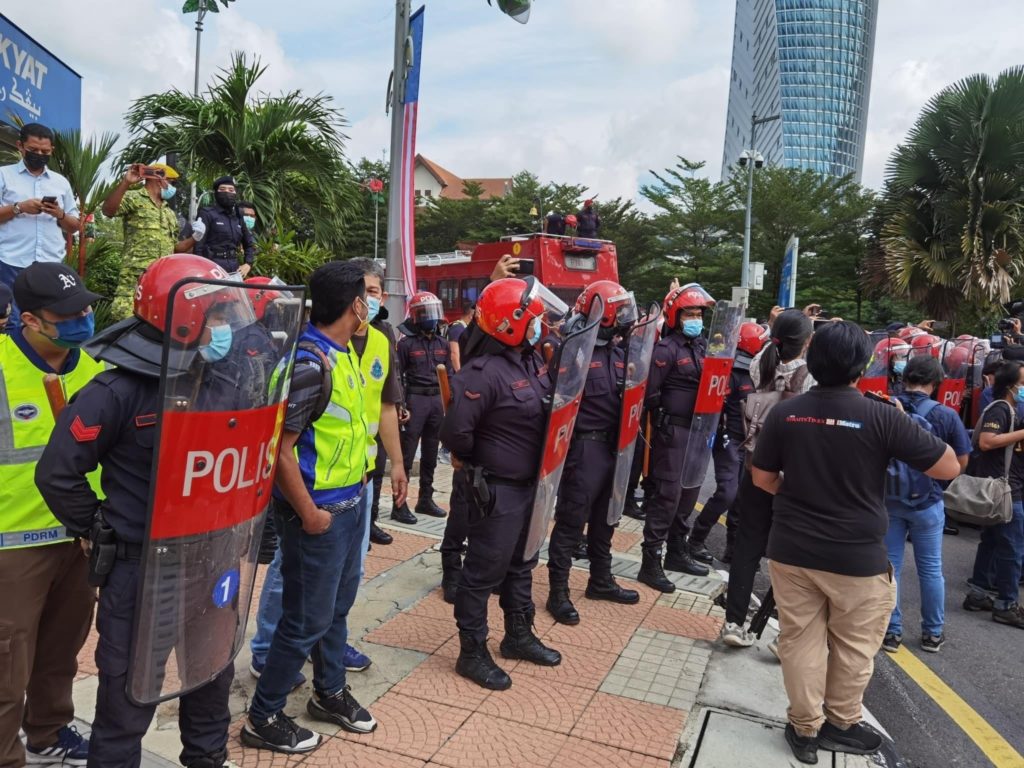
(479, 491)
(103, 552)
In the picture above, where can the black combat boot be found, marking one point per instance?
(403, 514)
(632, 509)
(652, 574)
(677, 558)
(521, 643)
(426, 506)
(560, 606)
(476, 664)
(450, 583)
(605, 587)
(699, 552)
(209, 760)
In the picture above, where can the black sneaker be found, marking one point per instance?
(932, 643)
(891, 642)
(976, 602)
(859, 739)
(805, 748)
(402, 514)
(280, 734)
(341, 709)
(1014, 615)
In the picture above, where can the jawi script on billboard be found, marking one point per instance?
(35, 85)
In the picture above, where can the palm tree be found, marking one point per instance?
(286, 152)
(953, 206)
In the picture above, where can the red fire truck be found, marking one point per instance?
(566, 265)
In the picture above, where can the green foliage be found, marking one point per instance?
(103, 271)
(359, 235)
(284, 257)
(286, 152)
(953, 208)
(193, 6)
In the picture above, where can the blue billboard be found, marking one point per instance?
(35, 85)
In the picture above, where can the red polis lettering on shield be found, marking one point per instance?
(561, 426)
(714, 385)
(951, 393)
(632, 410)
(216, 470)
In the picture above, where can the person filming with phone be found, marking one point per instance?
(38, 210)
(150, 226)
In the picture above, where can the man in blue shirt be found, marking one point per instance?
(37, 208)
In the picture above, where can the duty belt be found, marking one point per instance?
(597, 437)
(129, 550)
(675, 421)
(423, 390)
(495, 480)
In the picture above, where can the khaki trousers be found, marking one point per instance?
(831, 628)
(46, 607)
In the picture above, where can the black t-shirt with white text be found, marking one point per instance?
(832, 446)
(998, 420)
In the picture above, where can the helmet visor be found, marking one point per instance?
(624, 305)
(228, 305)
(429, 309)
(553, 308)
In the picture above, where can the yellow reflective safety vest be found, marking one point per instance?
(26, 422)
(374, 364)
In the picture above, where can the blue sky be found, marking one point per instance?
(590, 91)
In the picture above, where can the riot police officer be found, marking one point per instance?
(589, 466)
(420, 351)
(495, 429)
(728, 453)
(671, 397)
(112, 422)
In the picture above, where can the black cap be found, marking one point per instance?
(5, 300)
(223, 180)
(53, 286)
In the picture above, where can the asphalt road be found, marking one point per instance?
(983, 663)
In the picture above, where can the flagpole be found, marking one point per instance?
(394, 279)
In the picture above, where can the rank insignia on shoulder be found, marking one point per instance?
(82, 433)
(472, 395)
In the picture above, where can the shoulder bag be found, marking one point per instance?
(982, 501)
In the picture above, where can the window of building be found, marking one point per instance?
(448, 293)
(428, 193)
(471, 288)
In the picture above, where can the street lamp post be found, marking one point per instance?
(750, 158)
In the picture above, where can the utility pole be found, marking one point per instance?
(193, 203)
(752, 159)
(394, 272)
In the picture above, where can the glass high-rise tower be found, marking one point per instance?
(810, 62)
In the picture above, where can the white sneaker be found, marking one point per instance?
(736, 636)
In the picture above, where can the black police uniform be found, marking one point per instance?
(112, 422)
(588, 222)
(728, 458)
(556, 224)
(419, 354)
(225, 234)
(497, 423)
(671, 396)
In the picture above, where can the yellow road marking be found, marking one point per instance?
(996, 748)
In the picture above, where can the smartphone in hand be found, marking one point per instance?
(50, 199)
(878, 397)
(525, 267)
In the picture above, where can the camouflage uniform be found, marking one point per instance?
(150, 231)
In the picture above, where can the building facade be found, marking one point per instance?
(810, 62)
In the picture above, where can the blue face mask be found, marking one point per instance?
(219, 346)
(424, 326)
(899, 366)
(692, 328)
(250, 221)
(535, 335)
(1019, 397)
(73, 333)
(374, 305)
(168, 192)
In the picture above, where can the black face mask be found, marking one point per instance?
(36, 161)
(225, 200)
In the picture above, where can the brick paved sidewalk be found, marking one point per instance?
(621, 697)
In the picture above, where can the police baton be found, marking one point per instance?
(444, 386)
(549, 352)
(54, 393)
(647, 446)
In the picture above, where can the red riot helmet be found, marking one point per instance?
(926, 343)
(910, 332)
(684, 297)
(753, 337)
(262, 299)
(957, 356)
(511, 309)
(425, 311)
(891, 350)
(571, 221)
(192, 303)
(620, 310)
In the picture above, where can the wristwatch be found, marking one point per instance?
(17, 210)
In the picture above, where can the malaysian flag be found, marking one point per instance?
(410, 109)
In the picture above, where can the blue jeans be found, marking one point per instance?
(7, 277)
(925, 528)
(321, 576)
(1000, 550)
(273, 585)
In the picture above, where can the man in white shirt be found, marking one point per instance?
(37, 208)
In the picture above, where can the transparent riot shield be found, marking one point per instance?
(218, 437)
(955, 361)
(713, 387)
(568, 376)
(639, 351)
(876, 378)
